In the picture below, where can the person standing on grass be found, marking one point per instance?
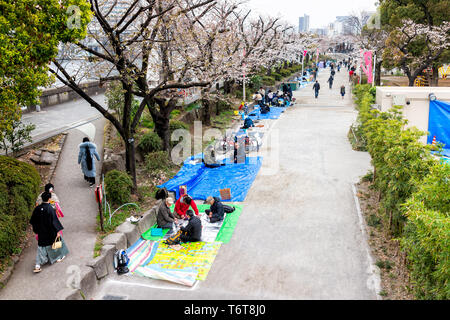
(316, 88)
(86, 158)
(343, 91)
(47, 227)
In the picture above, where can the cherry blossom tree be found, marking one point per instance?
(414, 47)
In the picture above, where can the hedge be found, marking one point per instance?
(19, 188)
(415, 194)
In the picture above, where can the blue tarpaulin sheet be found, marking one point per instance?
(275, 113)
(203, 182)
(439, 124)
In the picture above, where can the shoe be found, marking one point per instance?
(60, 259)
(37, 269)
(91, 185)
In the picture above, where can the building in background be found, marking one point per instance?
(303, 24)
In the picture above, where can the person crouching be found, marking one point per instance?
(193, 231)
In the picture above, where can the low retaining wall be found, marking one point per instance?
(98, 268)
(51, 97)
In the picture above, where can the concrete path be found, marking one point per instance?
(80, 209)
(300, 235)
(62, 117)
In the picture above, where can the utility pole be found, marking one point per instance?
(374, 66)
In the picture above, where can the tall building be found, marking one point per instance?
(303, 24)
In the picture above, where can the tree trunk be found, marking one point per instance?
(130, 154)
(206, 112)
(435, 78)
(378, 73)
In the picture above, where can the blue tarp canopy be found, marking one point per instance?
(202, 181)
(439, 124)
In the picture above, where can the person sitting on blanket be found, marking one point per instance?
(164, 217)
(265, 109)
(216, 211)
(248, 123)
(193, 231)
(182, 205)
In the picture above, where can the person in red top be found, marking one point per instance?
(182, 205)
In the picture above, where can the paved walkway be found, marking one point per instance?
(80, 209)
(299, 235)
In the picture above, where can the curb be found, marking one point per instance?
(98, 268)
(374, 279)
(15, 259)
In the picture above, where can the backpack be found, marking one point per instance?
(121, 261)
(228, 209)
(174, 239)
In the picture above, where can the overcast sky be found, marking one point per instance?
(321, 12)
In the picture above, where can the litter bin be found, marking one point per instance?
(293, 85)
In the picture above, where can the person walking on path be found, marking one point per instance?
(86, 159)
(316, 88)
(343, 91)
(48, 228)
(330, 81)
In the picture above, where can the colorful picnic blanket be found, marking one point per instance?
(141, 253)
(197, 256)
(185, 277)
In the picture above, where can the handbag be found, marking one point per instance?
(57, 244)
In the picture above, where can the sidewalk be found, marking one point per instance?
(80, 209)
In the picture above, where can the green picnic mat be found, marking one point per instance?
(229, 224)
(148, 234)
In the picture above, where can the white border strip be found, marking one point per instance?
(374, 280)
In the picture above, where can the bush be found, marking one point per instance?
(157, 161)
(150, 142)
(118, 187)
(268, 81)
(277, 76)
(19, 188)
(175, 124)
(426, 239)
(285, 73)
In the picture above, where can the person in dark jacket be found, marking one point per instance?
(46, 225)
(86, 158)
(316, 88)
(216, 211)
(330, 81)
(193, 231)
(164, 217)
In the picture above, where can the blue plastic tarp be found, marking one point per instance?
(203, 182)
(275, 113)
(439, 124)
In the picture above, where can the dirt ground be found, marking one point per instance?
(386, 251)
(397, 81)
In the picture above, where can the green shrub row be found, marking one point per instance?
(414, 190)
(19, 188)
